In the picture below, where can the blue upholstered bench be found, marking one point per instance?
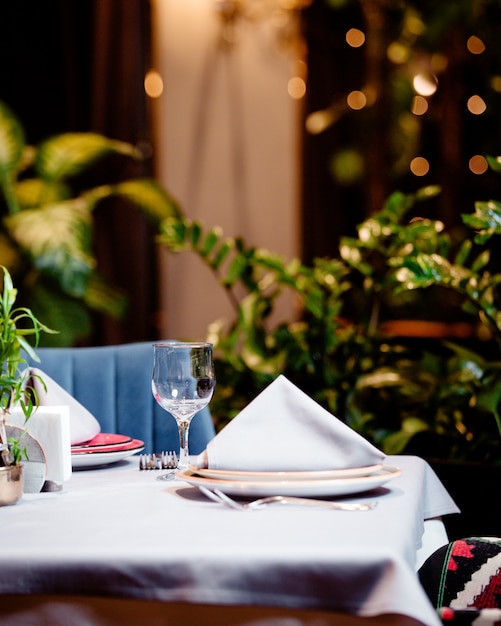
(114, 384)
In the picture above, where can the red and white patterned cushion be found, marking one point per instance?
(463, 580)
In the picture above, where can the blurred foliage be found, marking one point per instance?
(436, 397)
(46, 223)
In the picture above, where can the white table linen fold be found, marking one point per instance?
(118, 532)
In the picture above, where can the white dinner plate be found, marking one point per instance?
(95, 459)
(311, 488)
(234, 475)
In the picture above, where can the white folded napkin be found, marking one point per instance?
(283, 429)
(83, 425)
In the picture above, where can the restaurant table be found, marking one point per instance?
(118, 546)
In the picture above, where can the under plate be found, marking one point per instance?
(312, 488)
(237, 475)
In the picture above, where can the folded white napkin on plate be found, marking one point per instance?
(283, 429)
(83, 425)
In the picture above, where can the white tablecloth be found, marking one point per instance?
(118, 532)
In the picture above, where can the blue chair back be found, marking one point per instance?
(114, 384)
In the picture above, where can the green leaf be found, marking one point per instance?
(150, 197)
(431, 191)
(69, 315)
(486, 220)
(211, 240)
(195, 233)
(69, 154)
(481, 261)
(34, 192)
(236, 269)
(173, 233)
(397, 204)
(11, 143)
(57, 237)
(102, 297)
(398, 441)
(494, 163)
(463, 252)
(222, 253)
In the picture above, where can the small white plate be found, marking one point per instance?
(132, 444)
(311, 488)
(95, 459)
(234, 475)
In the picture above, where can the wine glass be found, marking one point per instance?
(183, 383)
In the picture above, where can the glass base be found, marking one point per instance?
(169, 476)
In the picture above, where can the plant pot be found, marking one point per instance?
(11, 484)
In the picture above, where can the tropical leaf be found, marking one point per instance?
(397, 442)
(10, 255)
(150, 197)
(35, 192)
(58, 239)
(486, 220)
(61, 311)
(494, 163)
(11, 142)
(210, 242)
(103, 297)
(69, 154)
(46, 230)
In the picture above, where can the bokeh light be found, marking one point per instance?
(356, 100)
(475, 45)
(153, 84)
(398, 53)
(476, 105)
(419, 105)
(419, 166)
(425, 84)
(478, 164)
(296, 87)
(355, 38)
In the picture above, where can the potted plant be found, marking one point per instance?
(16, 325)
(47, 201)
(436, 396)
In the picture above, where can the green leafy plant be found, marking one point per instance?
(16, 325)
(46, 225)
(432, 396)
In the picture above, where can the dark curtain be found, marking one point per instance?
(79, 65)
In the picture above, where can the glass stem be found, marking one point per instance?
(184, 427)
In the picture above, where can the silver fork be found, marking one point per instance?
(222, 498)
(163, 460)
